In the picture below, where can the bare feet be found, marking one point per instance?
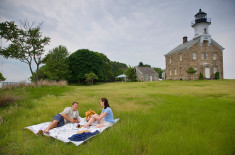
(46, 131)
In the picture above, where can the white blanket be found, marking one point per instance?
(66, 131)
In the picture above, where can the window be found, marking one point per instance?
(180, 57)
(170, 60)
(205, 31)
(146, 77)
(195, 68)
(214, 56)
(202, 55)
(206, 56)
(170, 72)
(175, 72)
(215, 70)
(194, 56)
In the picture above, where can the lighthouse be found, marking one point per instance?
(201, 27)
(202, 53)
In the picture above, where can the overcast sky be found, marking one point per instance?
(127, 31)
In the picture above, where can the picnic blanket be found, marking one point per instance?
(64, 132)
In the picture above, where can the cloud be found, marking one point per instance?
(126, 31)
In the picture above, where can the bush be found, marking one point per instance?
(217, 75)
(7, 98)
(201, 76)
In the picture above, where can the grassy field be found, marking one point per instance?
(165, 117)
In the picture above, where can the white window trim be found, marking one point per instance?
(203, 56)
(194, 56)
(214, 69)
(214, 56)
(206, 56)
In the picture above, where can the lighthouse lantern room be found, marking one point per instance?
(201, 27)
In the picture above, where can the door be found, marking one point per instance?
(207, 72)
(151, 78)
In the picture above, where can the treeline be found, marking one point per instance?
(58, 64)
(26, 44)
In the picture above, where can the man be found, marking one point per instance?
(70, 114)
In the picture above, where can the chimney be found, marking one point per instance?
(185, 39)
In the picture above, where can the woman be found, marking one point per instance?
(105, 118)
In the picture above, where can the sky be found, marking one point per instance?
(127, 31)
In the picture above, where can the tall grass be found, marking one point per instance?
(40, 83)
(166, 117)
(7, 98)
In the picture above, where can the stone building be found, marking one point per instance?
(202, 53)
(146, 74)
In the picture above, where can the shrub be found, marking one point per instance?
(191, 71)
(217, 75)
(7, 98)
(201, 76)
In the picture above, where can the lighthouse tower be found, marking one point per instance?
(201, 27)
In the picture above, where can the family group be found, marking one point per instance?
(71, 114)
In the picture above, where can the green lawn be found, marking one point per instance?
(165, 117)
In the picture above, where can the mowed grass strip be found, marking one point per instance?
(165, 117)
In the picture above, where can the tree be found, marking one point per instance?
(42, 73)
(2, 78)
(84, 62)
(91, 77)
(57, 64)
(118, 68)
(130, 73)
(141, 64)
(26, 43)
(159, 71)
(107, 66)
(191, 71)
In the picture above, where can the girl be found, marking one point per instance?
(105, 118)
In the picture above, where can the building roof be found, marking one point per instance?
(146, 70)
(217, 44)
(188, 44)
